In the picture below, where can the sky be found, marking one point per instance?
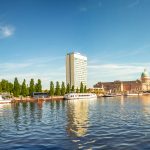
(36, 35)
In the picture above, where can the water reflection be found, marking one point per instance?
(107, 123)
(40, 104)
(16, 114)
(5, 109)
(26, 113)
(5, 106)
(77, 113)
(145, 100)
(122, 100)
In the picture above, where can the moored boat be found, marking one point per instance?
(133, 94)
(112, 95)
(72, 96)
(2, 100)
(109, 95)
(146, 93)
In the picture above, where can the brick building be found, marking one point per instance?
(143, 84)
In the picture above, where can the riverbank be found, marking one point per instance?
(31, 99)
(55, 98)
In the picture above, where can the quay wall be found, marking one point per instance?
(30, 99)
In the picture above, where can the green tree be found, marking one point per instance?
(4, 85)
(63, 89)
(0, 87)
(85, 90)
(31, 87)
(52, 89)
(28, 90)
(7, 86)
(68, 88)
(81, 88)
(77, 90)
(57, 90)
(11, 87)
(16, 88)
(24, 88)
(38, 86)
(72, 88)
(46, 91)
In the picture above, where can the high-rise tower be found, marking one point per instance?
(76, 69)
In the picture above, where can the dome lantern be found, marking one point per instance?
(145, 74)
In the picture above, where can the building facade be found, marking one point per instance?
(142, 84)
(76, 69)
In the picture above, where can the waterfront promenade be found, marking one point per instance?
(51, 98)
(31, 99)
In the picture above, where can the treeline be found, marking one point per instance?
(62, 89)
(16, 89)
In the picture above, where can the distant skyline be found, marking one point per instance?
(36, 35)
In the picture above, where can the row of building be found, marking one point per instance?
(135, 86)
(76, 72)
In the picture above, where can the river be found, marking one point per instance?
(105, 123)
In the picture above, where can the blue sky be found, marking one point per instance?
(35, 36)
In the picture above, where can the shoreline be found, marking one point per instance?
(53, 98)
(31, 99)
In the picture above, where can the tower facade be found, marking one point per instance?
(76, 69)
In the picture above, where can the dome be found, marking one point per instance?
(144, 74)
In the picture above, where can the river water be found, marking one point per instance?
(105, 123)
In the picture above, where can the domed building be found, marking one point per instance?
(145, 79)
(134, 86)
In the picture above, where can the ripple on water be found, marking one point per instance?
(114, 123)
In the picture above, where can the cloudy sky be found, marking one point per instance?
(35, 36)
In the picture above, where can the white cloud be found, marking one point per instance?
(133, 4)
(47, 70)
(114, 66)
(121, 55)
(43, 68)
(6, 31)
(111, 72)
(90, 5)
(83, 9)
(45, 77)
(10, 66)
(42, 60)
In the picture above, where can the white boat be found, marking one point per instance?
(72, 96)
(2, 100)
(133, 94)
(146, 93)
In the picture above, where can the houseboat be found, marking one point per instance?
(72, 96)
